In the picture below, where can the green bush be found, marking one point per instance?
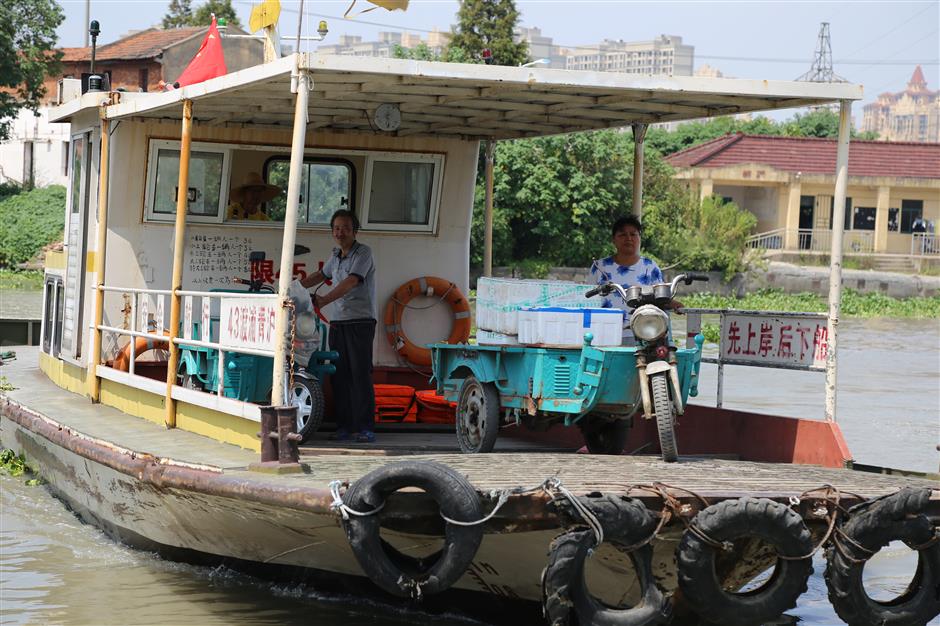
(699, 236)
(29, 221)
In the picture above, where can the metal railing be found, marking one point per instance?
(812, 240)
(155, 325)
(925, 244)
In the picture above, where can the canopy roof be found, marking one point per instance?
(460, 100)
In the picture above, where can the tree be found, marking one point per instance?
(27, 56)
(223, 9)
(178, 15)
(489, 24)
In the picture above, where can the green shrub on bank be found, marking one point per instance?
(29, 221)
(854, 304)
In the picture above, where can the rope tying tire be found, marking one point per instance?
(746, 518)
(429, 286)
(624, 522)
(871, 526)
(397, 573)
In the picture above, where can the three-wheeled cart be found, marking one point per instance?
(596, 388)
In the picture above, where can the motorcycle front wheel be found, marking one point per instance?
(665, 416)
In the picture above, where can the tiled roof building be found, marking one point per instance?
(788, 183)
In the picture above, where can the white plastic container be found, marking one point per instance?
(565, 327)
(489, 338)
(500, 299)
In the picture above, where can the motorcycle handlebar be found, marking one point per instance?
(692, 276)
(593, 292)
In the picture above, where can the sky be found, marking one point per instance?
(875, 44)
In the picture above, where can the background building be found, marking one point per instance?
(385, 46)
(909, 115)
(665, 55)
(788, 182)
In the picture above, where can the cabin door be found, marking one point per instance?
(76, 240)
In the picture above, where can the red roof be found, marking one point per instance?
(814, 155)
(146, 44)
(917, 78)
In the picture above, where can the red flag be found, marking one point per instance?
(208, 63)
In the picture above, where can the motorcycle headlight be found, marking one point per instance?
(649, 322)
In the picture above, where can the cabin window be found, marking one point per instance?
(326, 186)
(52, 302)
(402, 192)
(207, 170)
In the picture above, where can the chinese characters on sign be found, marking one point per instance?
(248, 323)
(214, 260)
(775, 339)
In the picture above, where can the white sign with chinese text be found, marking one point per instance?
(248, 323)
(777, 339)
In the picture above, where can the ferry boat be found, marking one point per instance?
(167, 458)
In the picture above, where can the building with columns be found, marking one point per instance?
(788, 184)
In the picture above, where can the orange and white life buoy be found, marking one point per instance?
(141, 344)
(432, 287)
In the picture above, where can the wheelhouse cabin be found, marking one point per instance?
(134, 271)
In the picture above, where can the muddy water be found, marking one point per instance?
(54, 569)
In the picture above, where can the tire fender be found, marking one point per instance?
(759, 518)
(872, 526)
(625, 522)
(399, 574)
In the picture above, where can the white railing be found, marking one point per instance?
(139, 312)
(770, 240)
(812, 240)
(925, 244)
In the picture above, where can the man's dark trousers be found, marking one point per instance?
(353, 394)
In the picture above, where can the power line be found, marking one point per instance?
(697, 56)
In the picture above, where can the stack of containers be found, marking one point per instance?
(542, 312)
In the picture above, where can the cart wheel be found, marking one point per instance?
(604, 437)
(307, 396)
(665, 416)
(477, 416)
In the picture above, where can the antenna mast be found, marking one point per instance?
(821, 71)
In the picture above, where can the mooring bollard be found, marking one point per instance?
(269, 452)
(287, 450)
(279, 451)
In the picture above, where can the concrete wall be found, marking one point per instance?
(50, 150)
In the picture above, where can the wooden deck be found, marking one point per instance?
(514, 463)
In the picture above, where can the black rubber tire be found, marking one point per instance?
(190, 381)
(399, 574)
(477, 421)
(895, 518)
(564, 589)
(604, 437)
(758, 518)
(665, 416)
(310, 393)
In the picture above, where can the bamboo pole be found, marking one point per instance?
(835, 267)
(179, 246)
(100, 249)
(290, 236)
(639, 136)
(488, 211)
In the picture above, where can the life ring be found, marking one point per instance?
(625, 522)
(760, 518)
(122, 361)
(397, 573)
(430, 286)
(898, 517)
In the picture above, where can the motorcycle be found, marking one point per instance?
(656, 363)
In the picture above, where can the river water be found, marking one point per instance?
(56, 570)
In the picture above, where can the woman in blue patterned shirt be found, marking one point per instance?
(626, 267)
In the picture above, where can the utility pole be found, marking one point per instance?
(821, 70)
